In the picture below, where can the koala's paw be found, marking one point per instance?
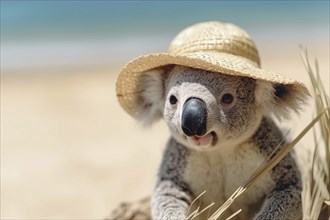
(138, 210)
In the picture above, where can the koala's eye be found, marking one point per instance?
(227, 98)
(173, 100)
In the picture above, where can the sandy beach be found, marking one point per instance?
(68, 151)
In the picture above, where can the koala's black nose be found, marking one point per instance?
(194, 117)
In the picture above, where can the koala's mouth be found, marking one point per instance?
(210, 139)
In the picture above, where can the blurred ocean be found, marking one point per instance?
(70, 33)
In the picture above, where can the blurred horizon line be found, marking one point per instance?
(16, 56)
(41, 34)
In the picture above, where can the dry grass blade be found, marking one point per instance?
(234, 214)
(267, 165)
(316, 181)
(284, 151)
(217, 214)
(262, 168)
(323, 110)
(196, 212)
(227, 204)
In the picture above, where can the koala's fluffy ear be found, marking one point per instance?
(281, 99)
(150, 96)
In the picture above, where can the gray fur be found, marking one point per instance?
(284, 201)
(172, 195)
(243, 135)
(151, 90)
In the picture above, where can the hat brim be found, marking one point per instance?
(224, 63)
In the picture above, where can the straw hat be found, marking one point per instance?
(212, 46)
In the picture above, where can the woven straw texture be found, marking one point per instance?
(212, 46)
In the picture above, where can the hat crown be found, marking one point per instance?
(217, 37)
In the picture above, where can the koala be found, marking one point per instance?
(222, 129)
